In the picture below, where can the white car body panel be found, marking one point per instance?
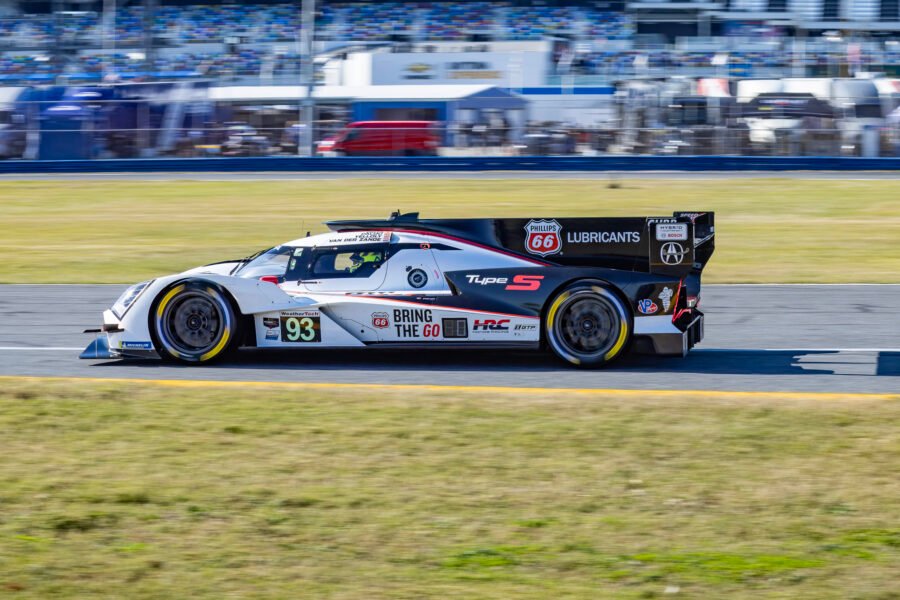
(348, 318)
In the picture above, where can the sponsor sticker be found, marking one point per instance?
(136, 345)
(381, 320)
(300, 313)
(270, 322)
(647, 306)
(523, 327)
(272, 334)
(491, 325)
(542, 237)
(677, 232)
(672, 253)
(665, 297)
(603, 237)
(415, 323)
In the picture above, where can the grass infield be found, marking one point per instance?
(127, 490)
(768, 230)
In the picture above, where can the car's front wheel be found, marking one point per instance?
(194, 322)
(587, 325)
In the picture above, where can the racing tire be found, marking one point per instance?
(194, 322)
(587, 325)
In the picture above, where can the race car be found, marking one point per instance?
(587, 289)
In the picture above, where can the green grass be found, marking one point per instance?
(140, 491)
(771, 230)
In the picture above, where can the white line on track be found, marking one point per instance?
(49, 348)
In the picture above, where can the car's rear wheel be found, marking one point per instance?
(587, 325)
(194, 322)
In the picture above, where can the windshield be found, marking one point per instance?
(273, 261)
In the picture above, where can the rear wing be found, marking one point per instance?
(676, 245)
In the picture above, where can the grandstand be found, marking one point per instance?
(346, 21)
(41, 42)
(645, 76)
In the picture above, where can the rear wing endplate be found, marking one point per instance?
(680, 244)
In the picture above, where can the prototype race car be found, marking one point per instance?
(588, 289)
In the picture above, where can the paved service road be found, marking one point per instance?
(759, 338)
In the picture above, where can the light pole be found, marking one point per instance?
(109, 38)
(149, 52)
(307, 78)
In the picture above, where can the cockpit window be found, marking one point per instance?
(274, 261)
(347, 263)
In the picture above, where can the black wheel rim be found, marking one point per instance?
(193, 323)
(588, 326)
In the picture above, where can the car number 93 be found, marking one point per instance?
(301, 329)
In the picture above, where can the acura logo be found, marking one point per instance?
(672, 253)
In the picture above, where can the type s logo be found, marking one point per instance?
(525, 283)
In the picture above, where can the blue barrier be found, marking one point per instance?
(501, 163)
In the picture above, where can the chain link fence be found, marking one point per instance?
(145, 129)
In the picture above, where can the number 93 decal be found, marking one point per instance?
(301, 329)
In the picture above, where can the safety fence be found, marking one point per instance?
(60, 140)
(187, 123)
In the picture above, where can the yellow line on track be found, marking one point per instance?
(201, 383)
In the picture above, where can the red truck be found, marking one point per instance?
(383, 138)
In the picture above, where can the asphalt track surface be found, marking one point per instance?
(479, 175)
(784, 338)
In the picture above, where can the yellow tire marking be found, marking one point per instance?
(408, 387)
(623, 333)
(166, 298)
(552, 314)
(225, 336)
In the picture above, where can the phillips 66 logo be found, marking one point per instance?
(542, 237)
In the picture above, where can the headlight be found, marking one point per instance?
(128, 297)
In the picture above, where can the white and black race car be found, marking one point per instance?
(589, 289)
